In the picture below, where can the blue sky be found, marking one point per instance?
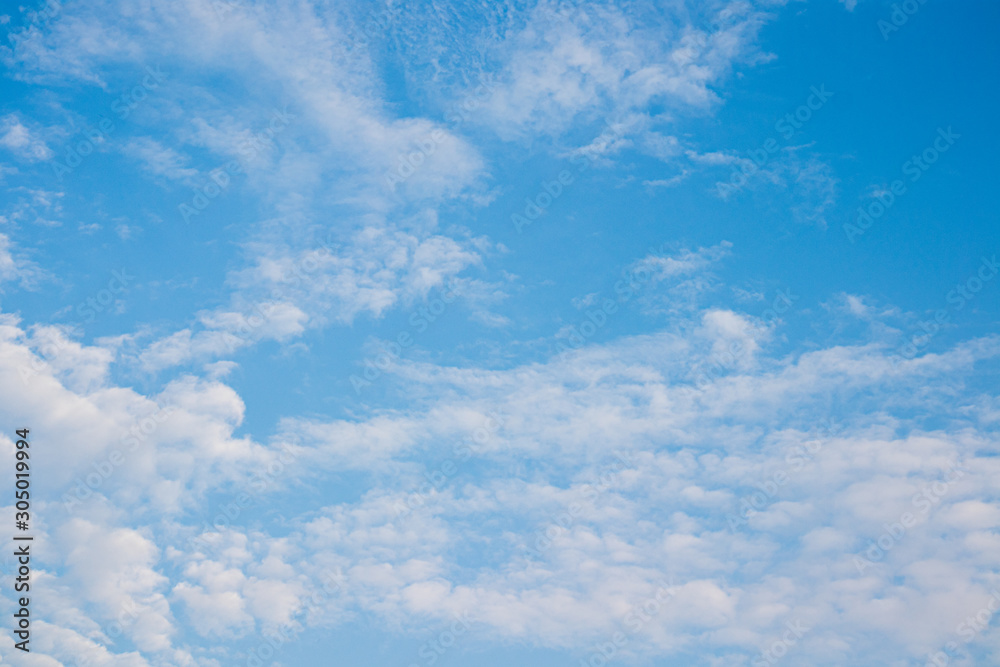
(538, 333)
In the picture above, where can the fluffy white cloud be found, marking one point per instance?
(159, 160)
(17, 138)
(14, 268)
(737, 492)
(694, 487)
(601, 62)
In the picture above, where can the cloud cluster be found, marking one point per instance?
(756, 493)
(830, 487)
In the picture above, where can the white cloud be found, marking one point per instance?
(218, 610)
(807, 179)
(690, 455)
(15, 268)
(653, 465)
(338, 141)
(377, 269)
(51, 639)
(17, 138)
(666, 513)
(115, 571)
(597, 62)
(160, 160)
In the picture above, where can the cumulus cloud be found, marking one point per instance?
(641, 476)
(600, 62)
(14, 267)
(17, 138)
(695, 487)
